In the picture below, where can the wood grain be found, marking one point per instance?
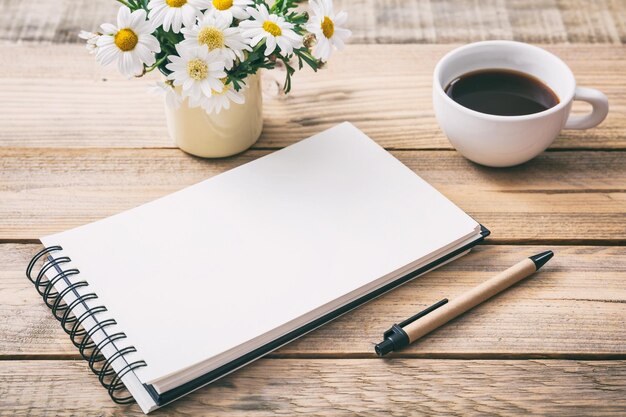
(67, 100)
(558, 197)
(396, 387)
(383, 21)
(61, 114)
(574, 308)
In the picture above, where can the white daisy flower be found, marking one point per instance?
(213, 31)
(326, 26)
(221, 100)
(92, 40)
(172, 13)
(198, 71)
(228, 8)
(273, 28)
(130, 42)
(166, 90)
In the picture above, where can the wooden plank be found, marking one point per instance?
(67, 100)
(559, 197)
(340, 388)
(384, 21)
(575, 308)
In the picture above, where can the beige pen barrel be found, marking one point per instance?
(470, 299)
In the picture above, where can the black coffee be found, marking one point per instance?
(501, 92)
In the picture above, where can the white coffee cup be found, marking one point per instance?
(502, 141)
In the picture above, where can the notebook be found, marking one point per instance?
(169, 296)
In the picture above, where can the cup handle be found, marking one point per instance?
(600, 108)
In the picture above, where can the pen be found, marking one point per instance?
(424, 322)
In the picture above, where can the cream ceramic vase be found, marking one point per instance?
(218, 135)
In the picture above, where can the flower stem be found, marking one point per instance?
(124, 3)
(156, 64)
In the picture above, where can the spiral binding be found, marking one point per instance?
(72, 324)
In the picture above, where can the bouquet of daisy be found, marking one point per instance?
(207, 48)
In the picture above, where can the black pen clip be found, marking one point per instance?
(424, 312)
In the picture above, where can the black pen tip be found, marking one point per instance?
(540, 259)
(384, 347)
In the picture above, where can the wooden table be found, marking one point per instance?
(78, 143)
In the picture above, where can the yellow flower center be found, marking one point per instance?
(328, 27)
(272, 28)
(126, 39)
(197, 69)
(222, 4)
(176, 3)
(211, 37)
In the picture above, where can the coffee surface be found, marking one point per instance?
(501, 92)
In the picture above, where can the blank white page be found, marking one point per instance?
(205, 269)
